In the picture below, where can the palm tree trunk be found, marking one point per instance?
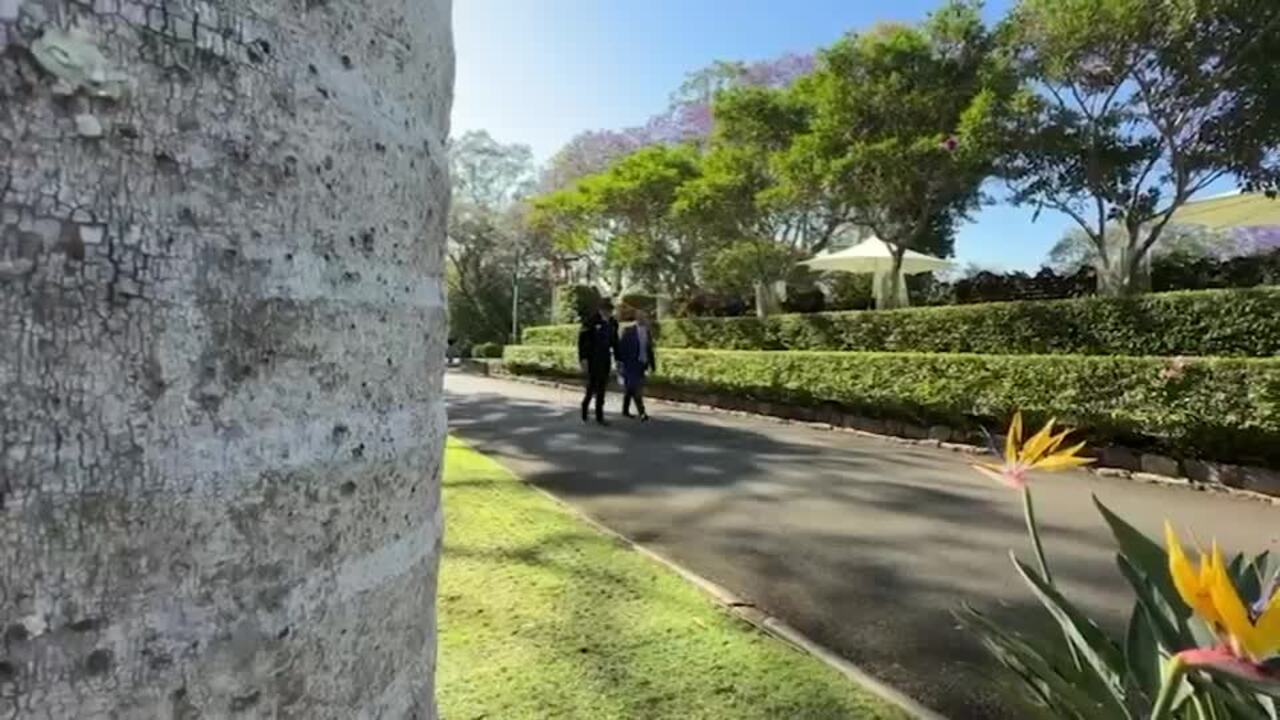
(221, 348)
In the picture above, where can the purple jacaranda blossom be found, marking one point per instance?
(592, 151)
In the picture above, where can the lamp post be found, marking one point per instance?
(515, 296)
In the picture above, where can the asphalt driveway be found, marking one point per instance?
(862, 544)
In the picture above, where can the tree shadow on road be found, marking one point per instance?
(865, 546)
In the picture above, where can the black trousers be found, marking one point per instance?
(634, 392)
(597, 384)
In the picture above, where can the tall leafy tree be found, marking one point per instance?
(1135, 105)
(904, 128)
(486, 174)
(493, 261)
(635, 201)
(754, 225)
(701, 86)
(624, 220)
(587, 153)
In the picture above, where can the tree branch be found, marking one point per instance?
(1098, 237)
(1167, 134)
(1204, 182)
(1179, 200)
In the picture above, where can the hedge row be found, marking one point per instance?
(1198, 323)
(487, 350)
(1220, 408)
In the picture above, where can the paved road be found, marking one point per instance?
(862, 544)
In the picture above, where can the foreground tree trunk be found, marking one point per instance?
(1124, 272)
(221, 343)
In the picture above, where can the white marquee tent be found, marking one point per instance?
(874, 256)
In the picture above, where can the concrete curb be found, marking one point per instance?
(745, 610)
(964, 448)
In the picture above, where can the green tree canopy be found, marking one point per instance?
(490, 254)
(752, 227)
(905, 127)
(1132, 106)
(625, 217)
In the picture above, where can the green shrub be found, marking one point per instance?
(1219, 408)
(487, 350)
(1205, 323)
(551, 335)
(572, 303)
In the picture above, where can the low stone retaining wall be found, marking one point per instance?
(1112, 461)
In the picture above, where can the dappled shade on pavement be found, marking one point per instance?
(864, 545)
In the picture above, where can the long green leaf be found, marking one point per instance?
(1170, 630)
(1043, 679)
(1238, 708)
(1097, 650)
(1142, 654)
(1262, 565)
(1269, 688)
(1252, 577)
(1145, 555)
(1269, 702)
(1245, 577)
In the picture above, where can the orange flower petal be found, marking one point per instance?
(1063, 459)
(1061, 462)
(1185, 579)
(1037, 445)
(1230, 608)
(1013, 439)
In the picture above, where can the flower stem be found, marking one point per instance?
(1029, 510)
(1169, 690)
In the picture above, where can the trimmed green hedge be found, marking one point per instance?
(1197, 323)
(1221, 408)
(487, 350)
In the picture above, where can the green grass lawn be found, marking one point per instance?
(541, 616)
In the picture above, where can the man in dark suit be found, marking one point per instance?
(635, 359)
(597, 343)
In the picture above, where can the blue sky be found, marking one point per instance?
(539, 71)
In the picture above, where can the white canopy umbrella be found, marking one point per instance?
(874, 256)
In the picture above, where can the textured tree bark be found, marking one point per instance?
(222, 336)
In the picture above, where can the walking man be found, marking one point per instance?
(597, 345)
(635, 359)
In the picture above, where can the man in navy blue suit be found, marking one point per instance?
(597, 343)
(635, 359)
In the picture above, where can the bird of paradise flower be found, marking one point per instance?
(1247, 636)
